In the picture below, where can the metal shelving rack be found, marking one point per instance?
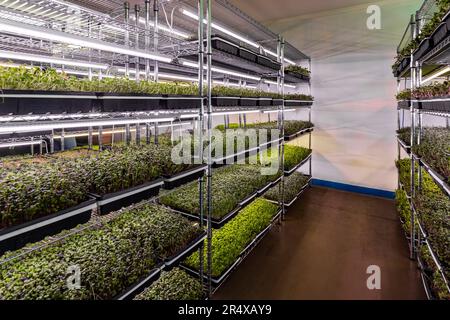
(128, 36)
(436, 59)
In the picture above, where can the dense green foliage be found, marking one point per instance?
(22, 78)
(435, 90)
(290, 126)
(438, 285)
(229, 241)
(443, 6)
(404, 95)
(292, 186)
(434, 148)
(293, 155)
(32, 187)
(173, 285)
(111, 256)
(404, 134)
(432, 207)
(403, 210)
(230, 186)
(298, 70)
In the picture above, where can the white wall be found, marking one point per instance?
(355, 109)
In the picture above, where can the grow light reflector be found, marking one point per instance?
(62, 37)
(225, 113)
(48, 59)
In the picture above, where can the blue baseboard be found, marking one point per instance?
(355, 189)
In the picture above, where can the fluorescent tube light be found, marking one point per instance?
(19, 144)
(221, 70)
(235, 112)
(275, 83)
(276, 111)
(437, 74)
(57, 36)
(96, 133)
(222, 29)
(48, 59)
(79, 124)
(163, 28)
(234, 35)
(164, 75)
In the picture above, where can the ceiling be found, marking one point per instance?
(269, 10)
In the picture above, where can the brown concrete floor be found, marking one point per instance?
(322, 251)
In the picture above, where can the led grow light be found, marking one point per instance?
(19, 144)
(221, 70)
(234, 35)
(276, 111)
(57, 36)
(78, 124)
(48, 59)
(163, 28)
(275, 83)
(437, 74)
(235, 112)
(96, 133)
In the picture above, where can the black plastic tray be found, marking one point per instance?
(173, 260)
(225, 46)
(291, 171)
(22, 102)
(440, 34)
(247, 55)
(183, 177)
(225, 101)
(438, 104)
(118, 200)
(264, 102)
(18, 236)
(181, 102)
(141, 285)
(424, 47)
(297, 134)
(248, 102)
(113, 102)
(297, 103)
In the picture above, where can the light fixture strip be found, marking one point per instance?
(437, 74)
(235, 35)
(57, 36)
(50, 60)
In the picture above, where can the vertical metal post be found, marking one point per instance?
(137, 10)
(100, 37)
(156, 132)
(147, 38)
(240, 120)
(62, 140)
(244, 118)
(90, 50)
(127, 134)
(138, 134)
(148, 133)
(156, 36)
(127, 36)
(90, 143)
(52, 142)
(32, 146)
(100, 138)
(413, 121)
(280, 87)
(40, 145)
(419, 140)
(209, 114)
